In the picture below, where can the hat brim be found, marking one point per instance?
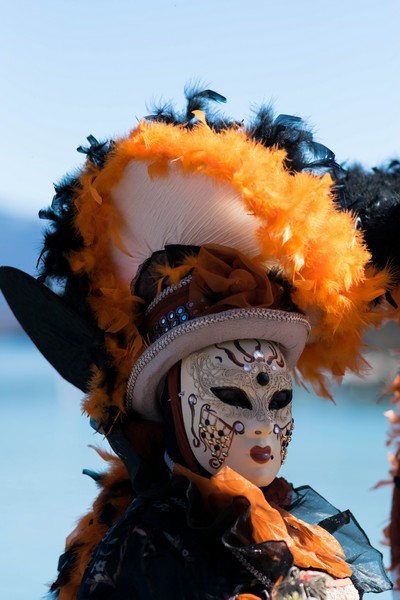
(289, 330)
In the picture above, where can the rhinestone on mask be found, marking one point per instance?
(192, 399)
(259, 356)
(247, 368)
(239, 427)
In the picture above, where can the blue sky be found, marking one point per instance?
(74, 67)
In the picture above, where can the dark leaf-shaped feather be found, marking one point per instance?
(211, 95)
(67, 341)
(96, 151)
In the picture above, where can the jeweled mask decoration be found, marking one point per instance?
(237, 407)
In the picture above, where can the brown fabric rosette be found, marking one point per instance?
(225, 278)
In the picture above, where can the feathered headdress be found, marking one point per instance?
(175, 185)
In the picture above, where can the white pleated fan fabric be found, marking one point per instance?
(189, 209)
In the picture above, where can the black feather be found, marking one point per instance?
(96, 151)
(60, 239)
(293, 135)
(285, 131)
(95, 475)
(66, 565)
(196, 99)
(211, 95)
(374, 197)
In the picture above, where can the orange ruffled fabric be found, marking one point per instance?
(311, 546)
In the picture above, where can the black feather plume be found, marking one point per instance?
(293, 135)
(374, 197)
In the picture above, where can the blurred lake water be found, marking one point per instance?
(337, 449)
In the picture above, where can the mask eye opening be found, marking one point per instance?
(232, 396)
(280, 399)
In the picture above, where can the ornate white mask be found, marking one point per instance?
(236, 406)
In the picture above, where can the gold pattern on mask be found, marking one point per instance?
(217, 435)
(285, 435)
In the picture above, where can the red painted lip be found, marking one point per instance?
(261, 454)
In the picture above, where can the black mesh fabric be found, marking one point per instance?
(366, 562)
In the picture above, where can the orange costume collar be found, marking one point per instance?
(312, 546)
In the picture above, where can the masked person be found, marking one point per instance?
(199, 263)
